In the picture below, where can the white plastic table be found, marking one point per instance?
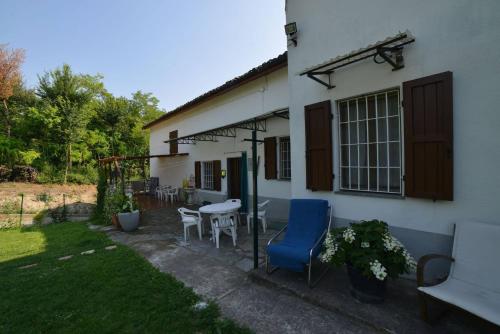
(220, 208)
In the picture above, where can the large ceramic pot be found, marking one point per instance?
(366, 289)
(129, 220)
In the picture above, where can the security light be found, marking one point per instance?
(291, 32)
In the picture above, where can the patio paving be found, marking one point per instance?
(278, 303)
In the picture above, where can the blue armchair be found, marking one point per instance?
(308, 224)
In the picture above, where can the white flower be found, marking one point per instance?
(378, 270)
(410, 262)
(365, 244)
(331, 248)
(391, 243)
(349, 235)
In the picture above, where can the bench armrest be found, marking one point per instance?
(422, 262)
(318, 242)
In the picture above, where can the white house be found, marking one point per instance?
(393, 114)
(212, 128)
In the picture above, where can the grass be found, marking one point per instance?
(114, 291)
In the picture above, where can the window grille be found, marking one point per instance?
(370, 143)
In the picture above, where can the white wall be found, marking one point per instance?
(259, 97)
(456, 35)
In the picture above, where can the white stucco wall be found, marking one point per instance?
(462, 36)
(264, 95)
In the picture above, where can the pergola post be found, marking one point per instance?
(254, 202)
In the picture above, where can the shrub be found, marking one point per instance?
(102, 186)
(369, 247)
(24, 174)
(113, 203)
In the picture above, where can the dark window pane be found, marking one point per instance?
(363, 178)
(353, 113)
(344, 152)
(382, 155)
(354, 155)
(362, 108)
(372, 131)
(373, 179)
(344, 136)
(343, 111)
(354, 178)
(363, 160)
(373, 155)
(394, 180)
(353, 134)
(345, 177)
(393, 128)
(362, 131)
(382, 179)
(381, 112)
(371, 107)
(392, 99)
(382, 129)
(394, 154)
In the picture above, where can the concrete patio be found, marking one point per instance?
(278, 303)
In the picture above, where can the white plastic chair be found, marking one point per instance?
(173, 193)
(190, 218)
(261, 215)
(236, 215)
(222, 223)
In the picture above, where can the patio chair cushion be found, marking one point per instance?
(306, 222)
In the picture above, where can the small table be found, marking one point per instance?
(220, 208)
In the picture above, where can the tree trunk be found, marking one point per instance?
(7, 118)
(68, 162)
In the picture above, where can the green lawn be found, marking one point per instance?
(114, 291)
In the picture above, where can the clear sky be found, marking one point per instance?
(175, 49)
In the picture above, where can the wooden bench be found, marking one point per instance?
(473, 283)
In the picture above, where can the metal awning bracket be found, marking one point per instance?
(393, 56)
(314, 76)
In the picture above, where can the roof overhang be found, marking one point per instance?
(264, 69)
(389, 50)
(141, 157)
(257, 123)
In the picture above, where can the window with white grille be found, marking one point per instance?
(370, 143)
(285, 164)
(208, 175)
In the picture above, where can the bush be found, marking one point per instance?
(102, 186)
(113, 203)
(24, 174)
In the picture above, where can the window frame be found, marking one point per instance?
(280, 141)
(204, 175)
(400, 116)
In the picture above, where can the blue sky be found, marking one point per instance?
(175, 49)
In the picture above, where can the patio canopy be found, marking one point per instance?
(257, 123)
(389, 50)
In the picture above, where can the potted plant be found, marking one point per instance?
(128, 217)
(371, 255)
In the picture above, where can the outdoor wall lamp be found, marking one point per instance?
(223, 173)
(291, 32)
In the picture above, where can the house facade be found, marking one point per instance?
(418, 146)
(212, 129)
(393, 115)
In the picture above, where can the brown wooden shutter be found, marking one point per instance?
(319, 165)
(428, 110)
(174, 147)
(270, 158)
(217, 175)
(197, 174)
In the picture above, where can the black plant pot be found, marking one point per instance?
(366, 290)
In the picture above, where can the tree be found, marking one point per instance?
(10, 77)
(70, 94)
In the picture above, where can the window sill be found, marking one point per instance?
(369, 194)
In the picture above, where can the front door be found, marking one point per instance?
(234, 177)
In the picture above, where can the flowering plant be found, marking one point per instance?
(369, 247)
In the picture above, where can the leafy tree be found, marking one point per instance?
(69, 94)
(10, 77)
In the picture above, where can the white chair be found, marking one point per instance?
(173, 194)
(190, 218)
(261, 215)
(473, 283)
(236, 215)
(222, 223)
